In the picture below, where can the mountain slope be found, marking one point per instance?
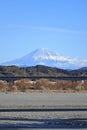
(39, 70)
(43, 56)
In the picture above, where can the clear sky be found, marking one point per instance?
(59, 25)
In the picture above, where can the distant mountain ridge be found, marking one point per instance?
(43, 56)
(83, 68)
(39, 70)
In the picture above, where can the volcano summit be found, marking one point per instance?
(43, 56)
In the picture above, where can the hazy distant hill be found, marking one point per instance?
(79, 72)
(83, 68)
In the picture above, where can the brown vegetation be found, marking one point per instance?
(26, 85)
(3, 86)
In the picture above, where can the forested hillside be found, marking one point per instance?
(39, 70)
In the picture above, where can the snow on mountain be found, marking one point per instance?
(43, 56)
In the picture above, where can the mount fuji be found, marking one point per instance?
(43, 56)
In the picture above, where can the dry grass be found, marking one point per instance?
(43, 85)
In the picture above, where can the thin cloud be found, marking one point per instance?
(52, 29)
(49, 29)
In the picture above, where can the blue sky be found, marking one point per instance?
(59, 25)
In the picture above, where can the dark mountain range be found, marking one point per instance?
(39, 70)
(83, 68)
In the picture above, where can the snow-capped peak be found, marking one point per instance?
(43, 56)
(44, 53)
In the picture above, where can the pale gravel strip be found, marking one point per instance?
(43, 100)
(24, 100)
(43, 115)
(38, 116)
